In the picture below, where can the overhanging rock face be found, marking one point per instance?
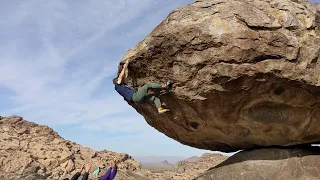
(247, 73)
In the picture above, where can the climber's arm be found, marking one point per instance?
(124, 72)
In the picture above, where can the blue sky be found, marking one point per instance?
(57, 61)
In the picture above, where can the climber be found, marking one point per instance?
(142, 94)
(111, 172)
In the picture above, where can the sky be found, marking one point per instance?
(57, 62)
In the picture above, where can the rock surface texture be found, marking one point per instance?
(246, 72)
(195, 168)
(269, 164)
(30, 151)
(185, 170)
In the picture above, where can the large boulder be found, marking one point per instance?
(246, 73)
(269, 164)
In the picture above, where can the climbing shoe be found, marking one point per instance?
(162, 110)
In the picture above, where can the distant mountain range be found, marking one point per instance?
(163, 165)
(192, 159)
(147, 160)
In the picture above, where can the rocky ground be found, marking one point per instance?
(30, 151)
(299, 163)
(186, 169)
(195, 168)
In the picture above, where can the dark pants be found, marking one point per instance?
(77, 175)
(142, 94)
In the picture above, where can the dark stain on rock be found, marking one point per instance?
(194, 125)
(279, 90)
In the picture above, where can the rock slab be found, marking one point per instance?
(269, 164)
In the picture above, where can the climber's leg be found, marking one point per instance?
(153, 99)
(140, 95)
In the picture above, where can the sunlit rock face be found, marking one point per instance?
(246, 73)
(35, 152)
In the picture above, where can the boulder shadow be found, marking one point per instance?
(270, 153)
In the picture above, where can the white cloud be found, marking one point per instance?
(53, 62)
(42, 60)
(48, 59)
